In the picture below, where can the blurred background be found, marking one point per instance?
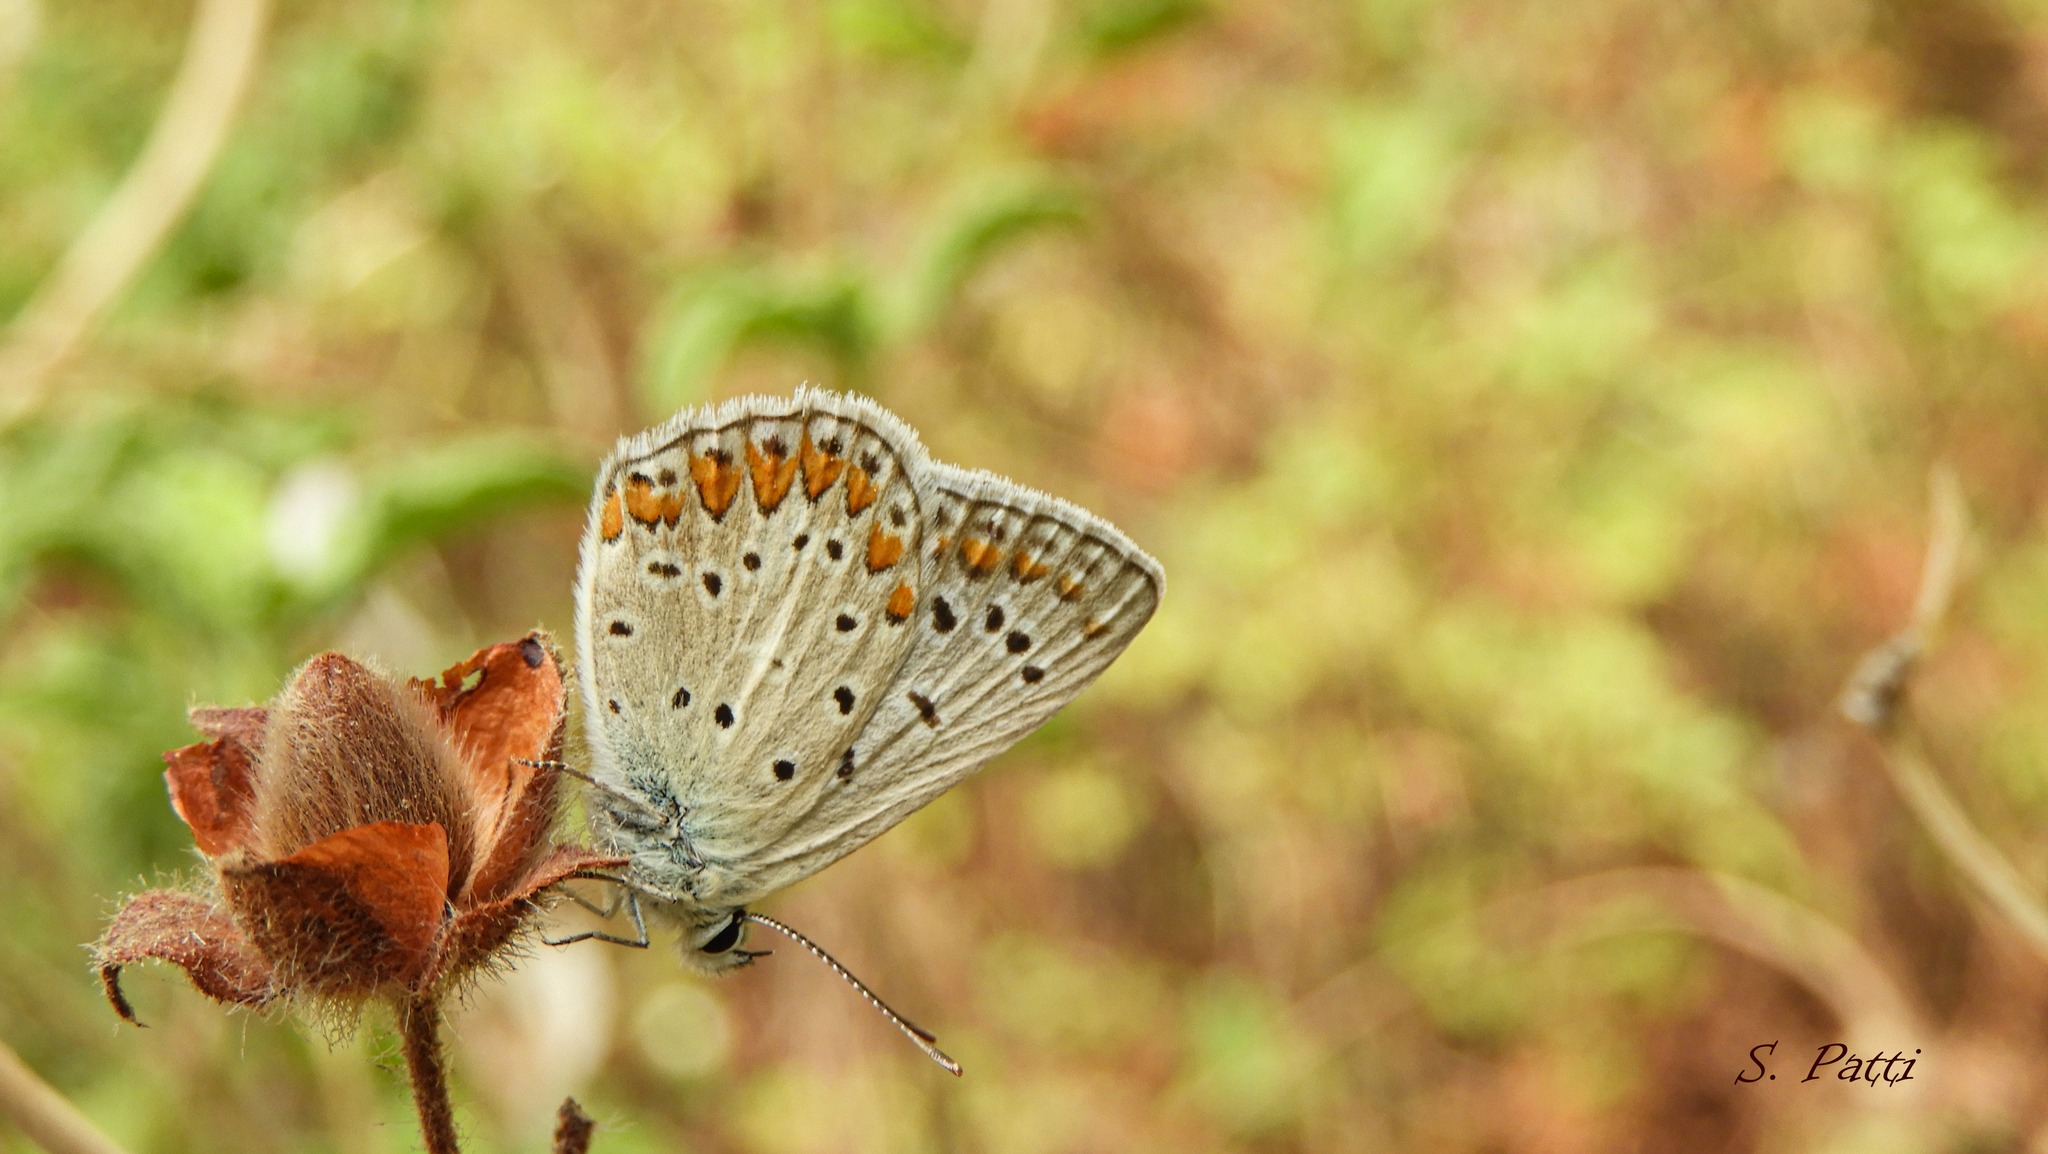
(1533, 406)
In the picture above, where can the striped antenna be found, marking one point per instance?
(920, 1037)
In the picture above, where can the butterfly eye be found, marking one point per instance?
(726, 938)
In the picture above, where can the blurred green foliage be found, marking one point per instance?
(1531, 404)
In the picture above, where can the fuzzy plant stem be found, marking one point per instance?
(419, 1029)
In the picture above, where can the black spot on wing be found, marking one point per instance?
(722, 715)
(942, 615)
(846, 623)
(1032, 675)
(1018, 641)
(752, 561)
(994, 621)
(926, 711)
(844, 697)
(785, 769)
(621, 629)
(713, 583)
(681, 698)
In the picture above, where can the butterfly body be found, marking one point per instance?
(796, 628)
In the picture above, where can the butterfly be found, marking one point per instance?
(795, 628)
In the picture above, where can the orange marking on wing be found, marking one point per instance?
(1071, 588)
(860, 491)
(939, 550)
(672, 506)
(773, 472)
(901, 603)
(718, 480)
(981, 557)
(820, 468)
(612, 520)
(642, 502)
(1093, 629)
(1026, 569)
(884, 549)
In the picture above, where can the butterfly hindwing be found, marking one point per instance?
(745, 596)
(1025, 600)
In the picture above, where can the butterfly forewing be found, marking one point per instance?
(747, 592)
(1026, 600)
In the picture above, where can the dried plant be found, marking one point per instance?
(369, 839)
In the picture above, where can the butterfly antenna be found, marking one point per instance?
(918, 1035)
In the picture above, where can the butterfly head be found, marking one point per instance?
(712, 942)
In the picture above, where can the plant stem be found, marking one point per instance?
(220, 58)
(44, 1116)
(419, 1029)
(1876, 700)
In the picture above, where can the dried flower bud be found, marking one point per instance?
(368, 837)
(347, 747)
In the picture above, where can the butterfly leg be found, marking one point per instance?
(606, 911)
(635, 803)
(632, 908)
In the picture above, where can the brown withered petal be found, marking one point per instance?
(517, 836)
(511, 717)
(190, 932)
(351, 914)
(213, 783)
(511, 712)
(480, 931)
(213, 789)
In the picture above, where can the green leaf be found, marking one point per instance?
(449, 488)
(981, 224)
(1123, 25)
(705, 323)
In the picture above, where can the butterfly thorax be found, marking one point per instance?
(642, 820)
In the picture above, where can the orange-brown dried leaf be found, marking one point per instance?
(481, 930)
(350, 914)
(187, 931)
(517, 834)
(213, 790)
(513, 713)
(511, 716)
